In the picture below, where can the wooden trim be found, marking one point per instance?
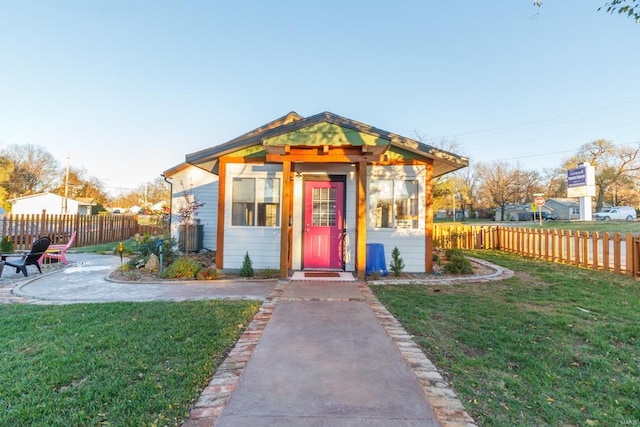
(287, 182)
(222, 179)
(428, 221)
(361, 219)
(324, 158)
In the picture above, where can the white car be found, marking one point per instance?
(627, 213)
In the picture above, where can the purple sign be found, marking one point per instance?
(577, 177)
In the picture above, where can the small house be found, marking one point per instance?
(53, 204)
(311, 193)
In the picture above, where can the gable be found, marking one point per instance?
(294, 138)
(326, 134)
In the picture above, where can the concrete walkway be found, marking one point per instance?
(84, 281)
(317, 353)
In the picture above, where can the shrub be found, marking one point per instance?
(208, 273)
(182, 268)
(453, 252)
(458, 264)
(397, 263)
(6, 245)
(247, 269)
(268, 273)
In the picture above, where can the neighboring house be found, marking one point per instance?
(564, 208)
(51, 203)
(311, 193)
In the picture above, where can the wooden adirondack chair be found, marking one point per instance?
(58, 251)
(39, 247)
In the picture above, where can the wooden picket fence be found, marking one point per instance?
(611, 252)
(23, 230)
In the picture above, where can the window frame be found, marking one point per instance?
(393, 203)
(259, 205)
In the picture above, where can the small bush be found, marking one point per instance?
(453, 252)
(397, 263)
(182, 268)
(247, 269)
(268, 273)
(6, 245)
(208, 273)
(458, 264)
(436, 258)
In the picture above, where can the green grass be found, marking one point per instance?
(129, 246)
(554, 345)
(112, 364)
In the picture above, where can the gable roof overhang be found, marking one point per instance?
(325, 138)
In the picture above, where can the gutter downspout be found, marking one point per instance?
(170, 182)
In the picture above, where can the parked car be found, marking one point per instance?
(627, 213)
(535, 216)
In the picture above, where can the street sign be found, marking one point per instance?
(539, 201)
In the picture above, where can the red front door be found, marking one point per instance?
(323, 224)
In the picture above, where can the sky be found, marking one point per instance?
(126, 89)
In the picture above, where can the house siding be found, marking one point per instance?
(410, 242)
(261, 243)
(52, 203)
(204, 186)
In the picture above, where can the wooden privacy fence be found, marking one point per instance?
(612, 252)
(23, 230)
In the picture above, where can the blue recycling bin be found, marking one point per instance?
(375, 259)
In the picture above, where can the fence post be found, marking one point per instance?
(636, 258)
(616, 253)
(629, 260)
(595, 249)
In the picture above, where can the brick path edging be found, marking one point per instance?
(214, 397)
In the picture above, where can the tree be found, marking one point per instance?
(33, 170)
(6, 168)
(81, 184)
(629, 7)
(615, 168)
(146, 195)
(503, 184)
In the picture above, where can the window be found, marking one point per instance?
(255, 202)
(324, 207)
(393, 204)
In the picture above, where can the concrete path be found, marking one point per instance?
(326, 363)
(84, 281)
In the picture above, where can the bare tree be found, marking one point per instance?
(615, 168)
(35, 170)
(503, 184)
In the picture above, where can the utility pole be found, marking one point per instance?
(66, 188)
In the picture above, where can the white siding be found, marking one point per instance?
(52, 203)
(262, 243)
(204, 186)
(410, 242)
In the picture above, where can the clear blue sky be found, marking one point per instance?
(127, 88)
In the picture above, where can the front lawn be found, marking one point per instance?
(112, 364)
(554, 345)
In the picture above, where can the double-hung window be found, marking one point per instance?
(255, 202)
(393, 203)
